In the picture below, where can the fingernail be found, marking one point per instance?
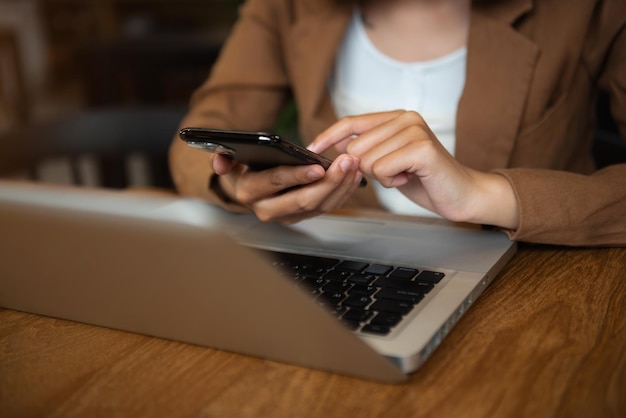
(346, 164)
(314, 174)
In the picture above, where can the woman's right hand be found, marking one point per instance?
(289, 194)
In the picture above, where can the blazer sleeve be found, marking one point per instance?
(558, 207)
(247, 89)
(573, 209)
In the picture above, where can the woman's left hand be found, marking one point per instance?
(398, 149)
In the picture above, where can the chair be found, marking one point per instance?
(100, 148)
(14, 106)
(150, 70)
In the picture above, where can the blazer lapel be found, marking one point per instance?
(500, 67)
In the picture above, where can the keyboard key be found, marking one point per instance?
(357, 315)
(378, 269)
(331, 298)
(389, 282)
(357, 301)
(352, 266)
(311, 271)
(404, 273)
(399, 307)
(337, 275)
(302, 259)
(359, 289)
(430, 276)
(313, 282)
(376, 329)
(400, 294)
(387, 319)
(334, 286)
(336, 310)
(362, 278)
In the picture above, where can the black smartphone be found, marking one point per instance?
(258, 150)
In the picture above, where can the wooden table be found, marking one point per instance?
(548, 338)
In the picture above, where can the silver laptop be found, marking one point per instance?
(363, 296)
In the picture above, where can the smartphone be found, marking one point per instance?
(258, 150)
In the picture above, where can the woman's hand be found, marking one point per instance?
(289, 194)
(399, 150)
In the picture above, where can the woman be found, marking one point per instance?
(507, 85)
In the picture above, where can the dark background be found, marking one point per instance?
(74, 73)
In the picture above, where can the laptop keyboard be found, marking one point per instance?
(367, 297)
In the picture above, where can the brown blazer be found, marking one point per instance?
(527, 109)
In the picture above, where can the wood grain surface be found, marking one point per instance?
(547, 339)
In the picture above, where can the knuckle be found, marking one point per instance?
(413, 117)
(275, 180)
(418, 136)
(378, 169)
(380, 173)
(243, 196)
(306, 203)
(303, 203)
(426, 148)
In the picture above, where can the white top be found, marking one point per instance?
(365, 80)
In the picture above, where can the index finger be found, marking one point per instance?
(340, 133)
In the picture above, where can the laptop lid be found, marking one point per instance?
(176, 269)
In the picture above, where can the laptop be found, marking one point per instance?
(365, 296)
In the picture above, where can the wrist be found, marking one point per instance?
(496, 202)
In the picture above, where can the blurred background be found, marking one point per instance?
(91, 91)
